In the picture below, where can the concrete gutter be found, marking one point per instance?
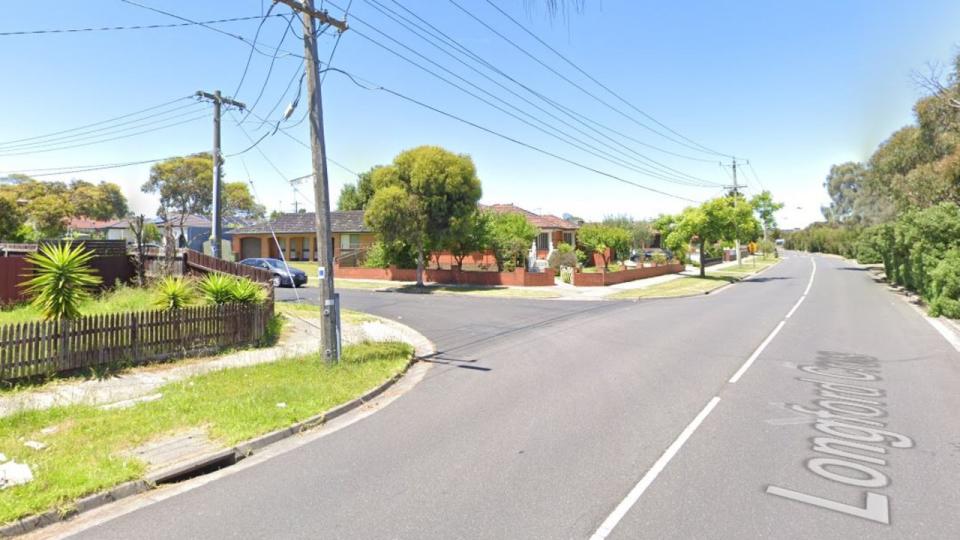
(221, 458)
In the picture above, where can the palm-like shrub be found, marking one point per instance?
(217, 288)
(61, 280)
(173, 293)
(245, 291)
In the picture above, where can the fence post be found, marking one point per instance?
(134, 338)
(63, 349)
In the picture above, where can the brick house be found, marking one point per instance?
(297, 234)
(552, 231)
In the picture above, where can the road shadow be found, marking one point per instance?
(440, 358)
(853, 268)
(764, 279)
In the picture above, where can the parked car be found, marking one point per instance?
(281, 276)
(647, 255)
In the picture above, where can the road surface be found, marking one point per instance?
(707, 417)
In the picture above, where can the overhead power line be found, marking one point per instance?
(511, 139)
(101, 122)
(597, 98)
(549, 130)
(598, 83)
(448, 42)
(70, 146)
(133, 27)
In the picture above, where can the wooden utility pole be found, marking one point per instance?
(329, 324)
(218, 101)
(736, 196)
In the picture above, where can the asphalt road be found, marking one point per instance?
(559, 419)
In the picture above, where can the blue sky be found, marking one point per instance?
(793, 87)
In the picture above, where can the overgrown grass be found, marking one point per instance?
(87, 452)
(119, 299)
(748, 267)
(312, 310)
(477, 290)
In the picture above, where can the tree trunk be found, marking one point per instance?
(420, 265)
(703, 259)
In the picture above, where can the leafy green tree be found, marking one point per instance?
(419, 197)
(641, 232)
(600, 238)
(239, 203)
(356, 196)
(49, 214)
(11, 218)
(97, 201)
(510, 236)
(766, 209)
(468, 234)
(185, 185)
(61, 279)
(715, 220)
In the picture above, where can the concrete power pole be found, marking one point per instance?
(329, 324)
(218, 101)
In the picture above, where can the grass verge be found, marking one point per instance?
(86, 446)
(684, 286)
(313, 311)
(471, 290)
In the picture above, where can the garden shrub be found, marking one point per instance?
(659, 258)
(566, 274)
(173, 293)
(945, 286)
(562, 256)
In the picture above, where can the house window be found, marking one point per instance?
(568, 238)
(543, 241)
(349, 241)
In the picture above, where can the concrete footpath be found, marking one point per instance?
(141, 383)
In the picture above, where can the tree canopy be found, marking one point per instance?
(185, 184)
(716, 220)
(511, 237)
(599, 238)
(46, 207)
(420, 196)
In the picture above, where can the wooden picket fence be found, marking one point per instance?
(49, 347)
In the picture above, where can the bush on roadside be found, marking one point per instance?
(173, 293)
(945, 286)
(562, 256)
(246, 291)
(61, 279)
(659, 258)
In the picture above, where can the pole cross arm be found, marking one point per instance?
(321, 16)
(223, 100)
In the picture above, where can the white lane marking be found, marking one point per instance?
(621, 510)
(947, 334)
(753, 357)
(746, 365)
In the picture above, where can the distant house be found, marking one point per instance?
(81, 226)
(190, 232)
(296, 234)
(552, 231)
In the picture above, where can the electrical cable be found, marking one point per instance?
(598, 83)
(134, 27)
(665, 169)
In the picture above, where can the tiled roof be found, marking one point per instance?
(541, 221)
(85, 223)
(192, 220)
(305, 222)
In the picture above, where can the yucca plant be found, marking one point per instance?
(246, 291)
(173, 293)
(217, 288)
(61, 279)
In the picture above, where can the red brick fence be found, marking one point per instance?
(517, 278)
(602, 279)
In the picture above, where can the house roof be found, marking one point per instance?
(541, 221)
(86, 223)
(191, 220)
(305, 222)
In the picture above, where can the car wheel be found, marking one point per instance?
(277, 282)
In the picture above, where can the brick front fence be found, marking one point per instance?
(517, 278)
(602, 279)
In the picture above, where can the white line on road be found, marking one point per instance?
(621, 510)
(947, 334)
(746, 365)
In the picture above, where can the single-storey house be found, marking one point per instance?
(552, 231)
(296, 234)
(86, 227)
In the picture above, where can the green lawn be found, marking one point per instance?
(85, 453)
(683, 286)
(122, 298)
(687, 285)
(476, 290)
